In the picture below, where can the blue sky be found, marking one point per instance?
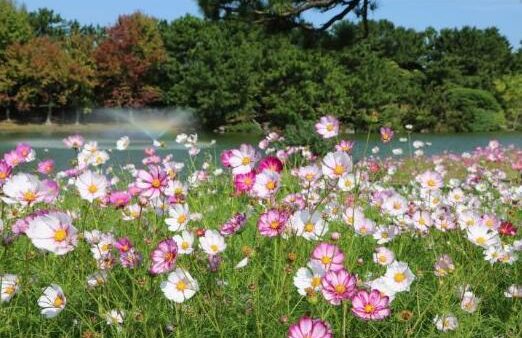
(418, 14)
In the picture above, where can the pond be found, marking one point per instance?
(50, 145)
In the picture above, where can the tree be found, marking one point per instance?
(285, 13)
(45, 22)
(509, 88)
(128, 63)
(14, 24)
(40, 73)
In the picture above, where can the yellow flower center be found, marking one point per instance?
(340, 288)
(481, 240)
(399, 277)
(431, 183)
(309, 176)
(60, 235)
(271, 185)
(326, 260)
(338, 169)
(181, 285)
(309, 227)
(382, 258)
(316, 281)
(184, 245)
(369, 308)
(214, 248)
(3, 175)
(58, 301)
(274, 225)
(182, 218)
(397, 205)
(10, 290)
(246, 160)
(156, 183)
(329, 127)
(92, 189)
(169, 257)
(29, 196)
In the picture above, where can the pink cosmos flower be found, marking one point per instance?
(123, 245)
(327, 127)
(233, 225)
(119, 199)
(386, 134)
(150, 151)
(12, 158)
(130, 259)
(163, 257)
(345, 145)
(5, 171)
(225, 158)
(51, 190)
(46, 167)
(338, 286)
(244, 182)
(370, 306)
(272, 223)
(270, 163)
(152, 182)
(507, 229)
(329, 256)
(310, 328)
(25, 151)
(74, 141)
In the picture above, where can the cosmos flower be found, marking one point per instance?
(152, 182)
(310, 328)
(184, 242)
(46, 166)
(336, 165)
(180, 286)
(123, 143)
(308, 226)
(9, 286)
(74, 141)
(179, 216)
(386, 134)
(446, 323)
(309, 278)
(370, 305)
(327, 127)
(53, 232)
(329, 256)
(114, 317)
(25, 189)
(399, 276)
(52, 301)
(272, 223)
(430, 180)
(163, 257)
(243, 160)
(266, 184)
(383, 256)
(91, 185)
(212, 242)
(338, 286)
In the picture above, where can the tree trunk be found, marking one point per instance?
(131, 115)
(77, 121)
(49, 114)
(8, 114)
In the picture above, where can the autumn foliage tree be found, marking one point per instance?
(127, 62)
(42, 73)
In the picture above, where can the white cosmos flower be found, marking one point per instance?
(309, 226)
(9, 286)
(337, 164)
(399, 276)
(446, 323)
(91, 185)
(513, 291)
(25, 189)
(483, 236)
(179, 286)
(383, 256)
(242, 263)
(114, 317)
(243, 159)
(266, 184)
(396, 205)
(381, 284)
(212, 243)
(179, 217)
(347, 182)
(469, 302)
(309, 278)
(53, 232)
(52, 301)
(123, 143)
(185, 242)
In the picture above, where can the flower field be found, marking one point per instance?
(265, 240)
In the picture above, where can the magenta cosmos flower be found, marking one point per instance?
(272, 223)
(329, 256)
(12, 158)
(46, 167)
(151, 182)
(225, 158)
(310, 328)
(370, 306)
(270, 163)
(233, 225)
(386, 134)
(163, 257)
(338, 286)
(244, 182)
(327, 127)
(119, 199)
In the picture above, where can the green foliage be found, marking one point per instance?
(473, 110)
(14, 25)
(509, 88)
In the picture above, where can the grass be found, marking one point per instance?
(260, 299)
